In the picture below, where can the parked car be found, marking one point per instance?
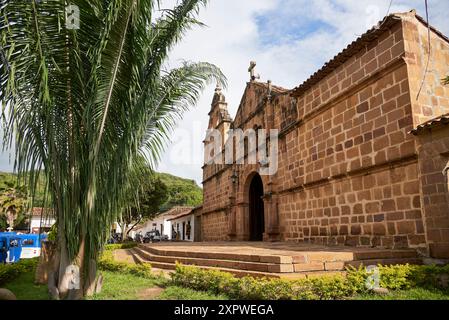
(138, 237)
(115, 238)
(152, 236)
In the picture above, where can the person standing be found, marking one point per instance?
(3, 252)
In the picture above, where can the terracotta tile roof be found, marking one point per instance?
(38, 211)
(175, 211)
(355, 47)
(346, 54)
(181, 215)
(432, 123)
(273, 87)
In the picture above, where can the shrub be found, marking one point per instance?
(11, 271)
(331, 287)
(247, 288)
(396, 277)
(107, 262)
(356, 279)
(429, 277)
(116, 246)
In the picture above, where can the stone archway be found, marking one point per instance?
(256, 209)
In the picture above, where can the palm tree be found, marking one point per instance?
(84, 105)
(13, 204)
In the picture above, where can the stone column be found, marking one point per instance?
(242, 221)
(232, 232)
(271, 218)
(446, 174)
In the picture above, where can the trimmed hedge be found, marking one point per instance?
(10, 271)
(313, 288)
(124, 245)
(106, 262)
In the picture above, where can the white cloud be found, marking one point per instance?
(289, 39)
(265, 30)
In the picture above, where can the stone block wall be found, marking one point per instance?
(381, 208)
(351, 163)
(433, 98)
(433, 148)
(214, 226)
(349, 171)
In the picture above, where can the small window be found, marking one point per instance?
(14, 243)
(28, 242)
(245, 147)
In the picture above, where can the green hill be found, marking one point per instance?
(9, 180)
(181, 192)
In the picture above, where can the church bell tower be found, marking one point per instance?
(219, 118)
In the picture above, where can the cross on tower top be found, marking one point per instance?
(252, 71)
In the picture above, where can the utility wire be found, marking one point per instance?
(429, 53)
(389, 8)
(386, 15)
(380, 23)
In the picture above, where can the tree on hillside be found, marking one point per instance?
(13, 205)
(85, 104)
(145, 199)
(181, 192)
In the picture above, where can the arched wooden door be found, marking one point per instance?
(256, 209)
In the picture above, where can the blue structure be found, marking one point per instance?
(14, 247)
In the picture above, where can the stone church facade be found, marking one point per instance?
(363, 144)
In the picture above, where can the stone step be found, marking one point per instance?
(385, 262)
(268, 268)
(342, 265)
(342, 256)
(279, 259)
(238, 273)
(229, 264)
(386, 254)
(300, 257)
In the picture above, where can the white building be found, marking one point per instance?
(162, 222)
(117, 229)
(41, 220)
(183, 224)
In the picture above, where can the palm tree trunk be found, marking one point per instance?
(90, 284)
(85, 279)
(124, 231)
(63, 279)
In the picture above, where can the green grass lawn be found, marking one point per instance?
(124, 286)
(25, 289)
(179, 293)
(412, 294)
(116, 286)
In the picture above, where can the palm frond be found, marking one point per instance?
(90, 109)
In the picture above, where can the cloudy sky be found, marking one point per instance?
(289, 40)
